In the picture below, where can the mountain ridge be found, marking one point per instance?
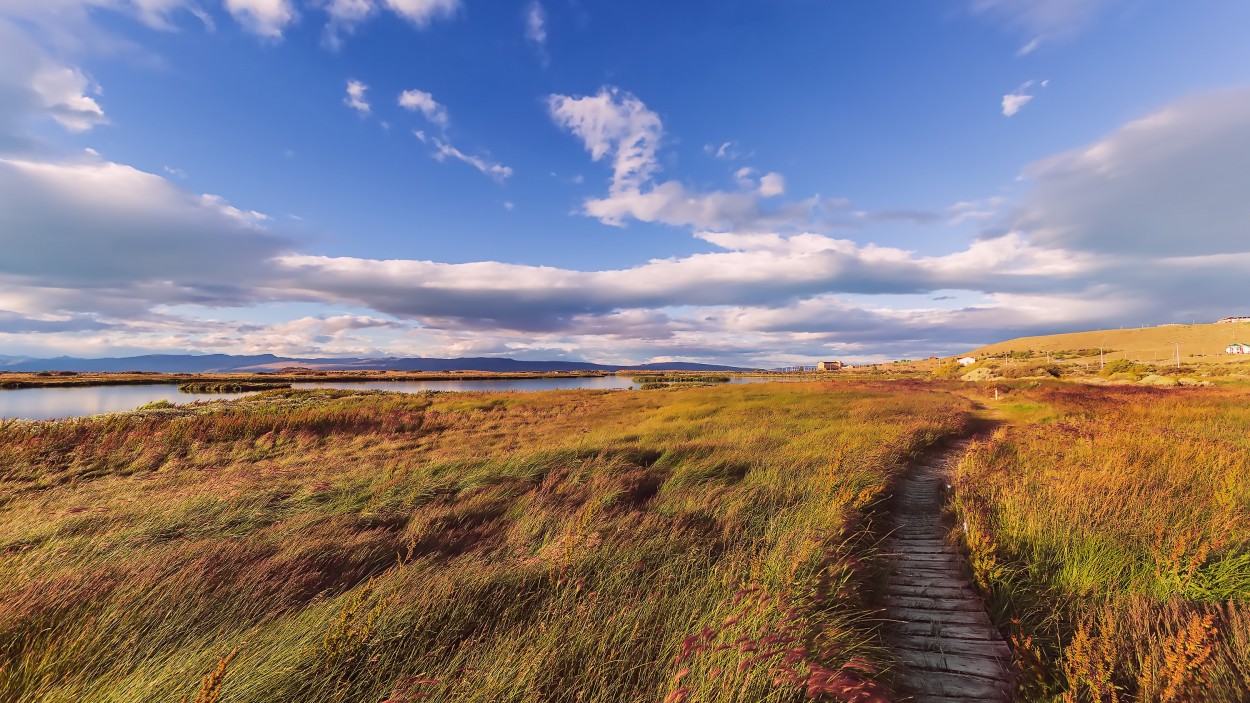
(224, 363)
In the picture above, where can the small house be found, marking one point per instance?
(1237, 349)
(829, 365)
(967, 361)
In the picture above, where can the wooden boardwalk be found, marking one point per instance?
(936, 623)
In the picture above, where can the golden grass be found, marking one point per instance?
(696, 544)
(1112, 532)
(1200, 343)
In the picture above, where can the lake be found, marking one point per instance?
(52, 403)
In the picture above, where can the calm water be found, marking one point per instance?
(51, 403)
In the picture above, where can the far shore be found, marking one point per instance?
(71, 379)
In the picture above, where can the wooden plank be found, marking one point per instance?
(952, 617)
(991, 648)
(978, 631)
(945, 683)
(958, 603)
(972, 664)
(929, 591)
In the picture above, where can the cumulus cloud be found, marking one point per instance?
(617, 126)
(35, 87)
(420, 101)
(1016, 99)
(267, 18)
(356, 97)
(346, 15)
(423, 12)
(63, 94)
(772, 185)
(1147, 222)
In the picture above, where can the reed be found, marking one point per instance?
(1112, 530)
(696, 544)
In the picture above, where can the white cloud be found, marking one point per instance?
(618, 126)
(493, 169)
(345, 16)
(267, 18)
(1018, 98)
(63, 93)
(356, 97)
(772, 185)
(35, 87)
(727, 150)
(536, 26)
(1150, 221)
(423, 102)
(422, 12)
(615, 124)
(89, 236)
(1042, 21)
(1172, 182)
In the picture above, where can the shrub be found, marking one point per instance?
(1124, 366)
(951, 370)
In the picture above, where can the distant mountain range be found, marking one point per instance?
(223, 363)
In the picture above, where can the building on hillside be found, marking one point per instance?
(966, 361)
(829, 365)
(1237, 348)
(1226, 320)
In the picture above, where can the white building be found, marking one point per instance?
(1237, 349)
(967, 361)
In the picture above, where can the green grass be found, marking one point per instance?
(230, 387)
(699, 544)
(1114, 540)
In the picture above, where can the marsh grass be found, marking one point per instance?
(1113, 533)
(698, 544)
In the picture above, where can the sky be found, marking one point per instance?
(749, 182)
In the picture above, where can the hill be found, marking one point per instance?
(1149, 344)
(227, 363)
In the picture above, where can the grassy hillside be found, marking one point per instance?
(686, 544)
(1199, 343)
(1112, 527)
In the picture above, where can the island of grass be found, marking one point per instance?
(679, 378)
(229, 387)
(72, 379)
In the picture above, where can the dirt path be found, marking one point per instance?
(938, 626)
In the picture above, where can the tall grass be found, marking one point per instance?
(703, 544)
(1113, 531)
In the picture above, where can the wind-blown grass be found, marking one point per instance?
(702, 544)
(1114, 530)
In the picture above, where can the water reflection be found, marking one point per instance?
(52, 403)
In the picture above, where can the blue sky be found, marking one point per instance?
(747, 182)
